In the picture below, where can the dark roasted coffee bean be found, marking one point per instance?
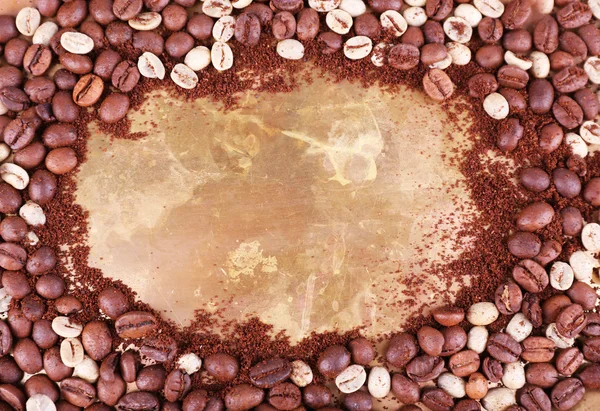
(43, 335)
(590, 34)
(518, 41)
(438, 85)
(590, 376)
(531, 309)
(174, 17)
(316, 396)
(285, 396)
(221, 366)
(138, 401)
(268, 373)
(591, 192)
(490, 30)
(243, 397)
(464, 363)
(535, 216)
(545, 35)
(118, 33)
(492, 369)
(570, 79)
(541, 96)
(538, 349)
(357, 401)
(424, 368)
(15, 283)
(510, 131)
(293, 6)
(433, 32)
(179, 44)
(14, 99)
(72, 14)
(50, 286)
(571, 320)
(214, 404)
(97, 341)
(567, 393)
(552, 306)
(403, 56)
(362, 351)
(534, 398)
(437, 399)
(37, 59)
(151, 378)
(195, 400)
(583, 294)
(541, 374)
(569, 361)
(10, 373)
(574, 45)
(41, 384)
(504, 348)
(76, 63)
(406, 390)
(490, 56)
(177, 384)
(10, 199)
(284, 25)
(592, 329)
(42, 187)
(21, 131)
(78, 392)
(127, 9)
(114, 108)
(247, 29)
(455, 339)
(430, 340)
(560, 60)
(573, 15)
(567, 112)
(14, 51)
(159, 349)
(12, 396)
(135, 324)
(516, 14)
(438, 9)
(27, 355)
(508, 298)
(591, 349)
(468, 405)
(10, 77)
(401, 350)
(12, 256)
(433, 53)
(64, 79)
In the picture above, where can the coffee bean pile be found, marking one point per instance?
(538, 57)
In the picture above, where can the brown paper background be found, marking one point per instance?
(299, 208)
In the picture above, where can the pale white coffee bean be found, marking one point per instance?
(150, 66)
(544, 6)
(4, 151)
(453, 385)
(351, 379)
(461, 54)
(490, 8)
(76, 43)
(560, 341)
(221, 56)
(358, 47)
(594, 7)
(514, 375)
(353, 7)
(184, 76)
(224, 29)
(379, 383)
(540, 64)
(457, 29)
(415, 16)
(145, 21)
(197, 58)
(64, 327)
(32, 213)
(302, 374)
(31, 238)
(323, 6)
(592, 69)
(217, 8)
(241, 4)
(583, 264)
(499, 399)
(14, 175)
(5, 300)
(590, 237)
(339, 21)
(576, 145)
(483, 313)
(71, 352)
(393, 22)
(442, 64)
(496, 106)
(28, 20)
(590, 132)
(469, 13)
(39, 402)
(416, 3)
(524, 63)
(477, 339)
(87, 370)
(561, 276)
(3, 109)
(44, 33)
(519, 327)
(379, 55)
(190, 363)
(290, 49)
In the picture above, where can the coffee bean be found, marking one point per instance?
(114, 108)
(243, 397)
(571, 321)
(177, 385)
(72, 14)
(424, 368)
(135, 324)
(566, 182)
(112, 302)
(14, 99)
(541, 374)
(110, 392)
(13, 229)
(222, 366)
(464, 363)
(538, 349)
(127, 9)
(59, 135)
(247, 29)
(590, 376)
(405, 390)
(284, 25)
(477, 386)
(105, 64)
(10, 77)
(14, 51)
(572, 221)
(361, 350)
(534, 398)
(358, 401)
(449, 316)
(13, 396)
(504, 348)
(5, 340)
(545, 35)
(512, 77)
(430, 340)
(438, 85)
(151, 378)
(10, 373)
(200, 26)
(490, 56)
(301, 374)
(42, 188)
(570, 79)
(560, 60)
(129, 364)
(553, 305)
(41, 384)
(108, 370)
(438, 9)
(76, 63)
(179, 44)
(150, 41)
(524, 245)
(433, 32)
(492, 369)
(268, 373)
(535, 216)
(33, 307)
(40, 89)
(490, 30)
(591, 349)
(516, 14)
(568, 361)
(27, 356)
(535, 179)
(118, 33)
(101, 11)
(573, 15)
(455, 339)
(403, 56)
(88, 90)
(285, 396)
(591, 192)
(508, 298)
(195, 400)
(64, 79)
(159, 350)
(8, 29)
(510, 131)
(15, 283)
(567, 393)
(43, 334)
(317, 396)
(518, 41)
(574, 45)
(19, 324)
(12, 256)
(531, 309)
(97, 340)
(138, 401)
(37, 59)
(437, 399)
(583, 294)
(541, 96)
(21, 131)
(401, 350)
(61, 160)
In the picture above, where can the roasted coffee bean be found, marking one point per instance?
(531, 309)
(569, 79)
(243, 397)
(379, 6)
(247, 29)
(591, 192)
(15, 283)
(524, 245)
(413, 35)
(151, 378)
(538, 349)
(59, 135)
(5, 340)
(109, 392)
(464, 363)
(10, 77)
(114, 108)
(10, 199)
(307, 24)
(490, 56)
(518, 41)
(14, 51)
(8, 29)
(33, 307)
(368, 25)
(572, 221)
(438, 9)
(589, 103)
(179, 44)
(567, 183)
(101, 11)
(591, 349)
(42, 187)
(149, 41)
(560, 60)
(109, 367)
(293, 6)
(12, 256)
(571, 321)
(512, 77)
(430, 340)
(592, 329)
(541, 374)
(590, 376)
(551, 137)
(50, 286)
(574, 15)
(437, 399)
(37, 59)
(361, 350)
(535, 216)
(127, 9)
(508, 298)
(177, 384)
(78, 392)
(567, 393)
(222, 366)
(316, 396)
(284, 25)
(534, 398)
(358, 401)
(195, 400)
(129, 364)
(10, 373)
(43, 335)
(214, 404)
(590, 34)
(27, 356)
(490, 30)
(433, 53)
(76, 63)
(469, 405)
(545, 35)
(455, 339)
(285, 396)
(97, 341)
(12, 396)
(200, 25)
(159, 349)
(135, 324)
(492, 369)
(19, 325)
(405, 390)
(118, 33)
(64, 79)
(516, 14)
(510, 131)
(40, 89)
(552, 306)
(268, 373)
(14, 99)
(94, 31)
(424, 368)
(401, 350)
(403, 56)
(21, 131)
(449, 316)
(112, 302)
(41, 384)
(482, 84)
(105, 64)
(433, 32)
(583, 294)
(138, 401)
(174, 17)
(61, 160)
(88, 90)
(568, 361)
(567, 112)
(12, 229)
(574, 45)
(504, 348)
(438, 85)
(541, 96)
(72, 14)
